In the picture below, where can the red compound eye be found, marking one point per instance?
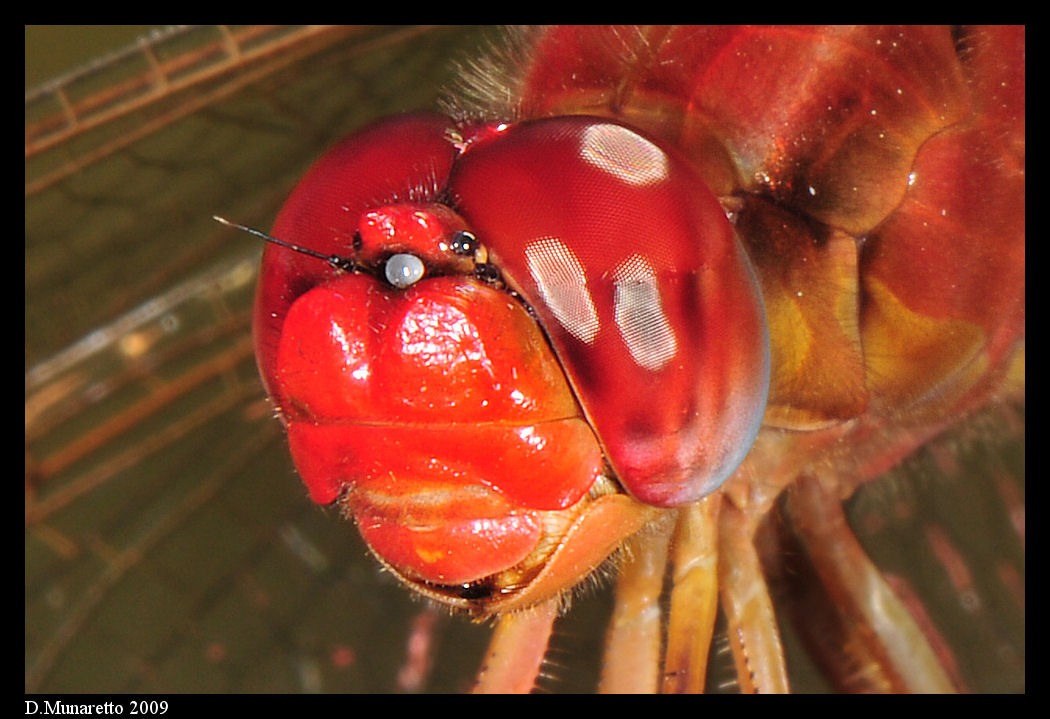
(646, 294)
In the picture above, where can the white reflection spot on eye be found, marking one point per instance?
(563, 286)
(640, 316)
(624, 154)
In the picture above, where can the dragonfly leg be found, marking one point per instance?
(694, 597)
(516, 651)
(632, 644)
(865, 602)
(753, 632)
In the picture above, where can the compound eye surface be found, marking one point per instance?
(648, 297)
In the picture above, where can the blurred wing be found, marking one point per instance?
(169, 545)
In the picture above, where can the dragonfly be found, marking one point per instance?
(168, 545)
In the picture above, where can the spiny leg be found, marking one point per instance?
(516, 651)
(753, 632)
(632, 644)
(694, 597)
(860, 594)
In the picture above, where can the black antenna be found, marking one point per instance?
(340, 263)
